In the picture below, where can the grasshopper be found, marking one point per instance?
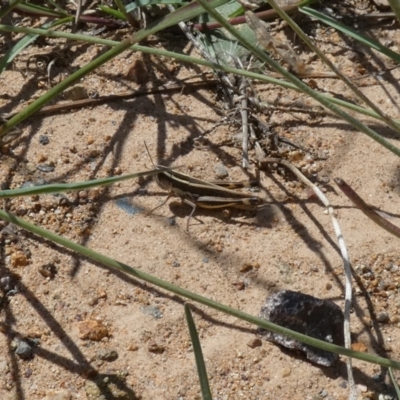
(198, 193)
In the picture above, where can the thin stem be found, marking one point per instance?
(114, 264)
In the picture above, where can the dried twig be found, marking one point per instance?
(367, 209)
(245, 123)
(345, 258)
(115, 97)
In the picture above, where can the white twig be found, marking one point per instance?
(245, 124)
(346, 264)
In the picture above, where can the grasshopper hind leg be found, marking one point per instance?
(193, 205)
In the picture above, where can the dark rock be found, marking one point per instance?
(383, 317)
(48, 270)
(43, 139)
(24, 350)
(321, 319)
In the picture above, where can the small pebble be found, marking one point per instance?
(8, 283)
(343, 384)
(19, 259)
(362, 388)
(253, 343)
(30, 167)
(323, 393)
(388, 266)
(152, 311)
(48, 270)
(382, 317)
(221, 171)
(352, 56)
(93, 330)
(44, 139)
(45, 168)
(24, 350)
(154, 347)
(107, 355)
(239, 285)
(394, 268)
(246, 267)
(76, 93)
(359, 346)
(58, 395)
(171, 220)
(377, 377)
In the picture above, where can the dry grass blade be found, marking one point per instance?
(345, 259)
(367, 209)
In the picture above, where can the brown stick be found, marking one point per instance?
(367, 209)
(266, 14)
(114, 97)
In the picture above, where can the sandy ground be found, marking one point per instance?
(104, 335)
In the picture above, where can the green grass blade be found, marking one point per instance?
(351, 33)
(142, 3)
(136, 273)
(395, 6)
(200, 364)
(121, 8)
(42, 11)
(67, 187)
(6, 9)
(57, 7)
(113, 13)
(396, 386)
(25, 42)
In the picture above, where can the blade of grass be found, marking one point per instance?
(200, 364)
(350, 32)
(67, 187)
(25, 42)
(298, 83)
(141, 3)
(57, 7)
(34, 9)
(190, 11)
(396, 386)
(6, 9)
(136, 273)
(127, 16)
(395, 6)
(114, 13)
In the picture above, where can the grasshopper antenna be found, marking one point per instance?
(148, 152)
